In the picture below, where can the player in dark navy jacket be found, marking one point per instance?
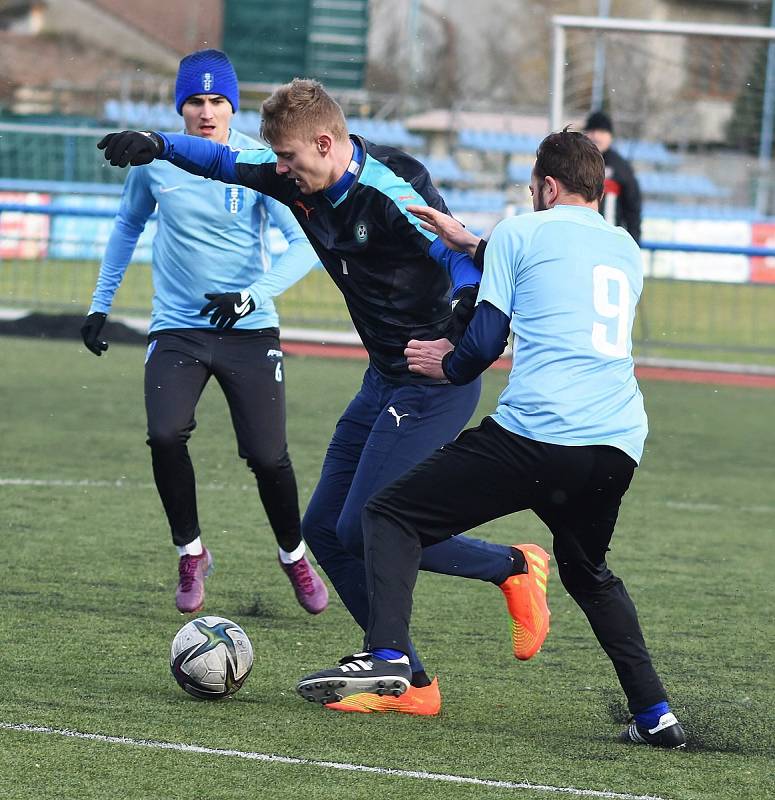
(350, 197)
(376, 253)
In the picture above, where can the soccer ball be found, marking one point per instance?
(211, 657)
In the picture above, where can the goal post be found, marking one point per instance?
(692, 106)
(702, 89)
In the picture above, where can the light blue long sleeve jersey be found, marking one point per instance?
(570, 283)
(211, 237)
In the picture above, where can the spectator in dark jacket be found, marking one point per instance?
(621, 200)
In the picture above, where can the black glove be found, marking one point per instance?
(228, 307)
(90, 330)
(463, 307)
(131, 147)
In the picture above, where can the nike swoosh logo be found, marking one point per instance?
(242, 308)
(165, 189)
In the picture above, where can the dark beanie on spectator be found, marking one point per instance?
(206, 72)
(599, 121)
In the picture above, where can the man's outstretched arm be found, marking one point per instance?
(193, 154)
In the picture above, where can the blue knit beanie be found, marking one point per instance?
(206, 72)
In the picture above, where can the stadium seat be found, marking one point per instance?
(444, 169)
(498, 142)
(112, 111)
(520, 173)
(646, 152)
(480, 201)
(676, 183)
(380, 131)
(119, 111)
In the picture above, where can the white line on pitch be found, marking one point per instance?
(682, 506)
(308, 762)
(86, 483)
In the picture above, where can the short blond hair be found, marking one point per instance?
(301, 109)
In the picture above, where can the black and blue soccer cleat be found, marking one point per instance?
(667, 733)
(356, 674)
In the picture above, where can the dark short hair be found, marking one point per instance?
(573, 159)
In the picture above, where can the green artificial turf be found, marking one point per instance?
(87, 610)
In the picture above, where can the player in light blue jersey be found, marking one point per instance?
(564, 441)
(212, 315)
(572, 380)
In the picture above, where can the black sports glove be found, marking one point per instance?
(90, 330)
(131, 147)
(463, 307)
(228, 307)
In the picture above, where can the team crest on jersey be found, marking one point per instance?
(235, 199)
(361, 232)
(207, 81)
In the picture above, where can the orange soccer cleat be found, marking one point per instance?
(526, 600)
(422, 701)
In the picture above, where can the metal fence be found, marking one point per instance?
(728, 322)
(709, 294)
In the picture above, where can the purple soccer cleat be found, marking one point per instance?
(310, 590)
(192, 571)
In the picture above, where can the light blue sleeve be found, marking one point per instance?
(292, 265)
(137, 204)
(501, 264)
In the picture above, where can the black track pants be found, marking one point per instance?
(248, 366)
(487, 473)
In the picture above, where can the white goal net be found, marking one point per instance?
(688, 102)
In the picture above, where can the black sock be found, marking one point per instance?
(420, 679)
(519, 566)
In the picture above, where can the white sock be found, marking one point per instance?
(191, 549)
(401, 660)
(294, 555)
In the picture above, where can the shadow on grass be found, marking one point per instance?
(258, 610)
(714, 728)
(67, 326)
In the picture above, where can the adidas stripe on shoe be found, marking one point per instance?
(359, 673)
(667, 733)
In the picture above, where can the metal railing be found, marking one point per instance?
(728, 322)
